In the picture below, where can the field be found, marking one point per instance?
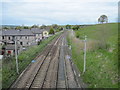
(102, 54)
(8, 66)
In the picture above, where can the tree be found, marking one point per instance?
(5, 28)
(18, 28)
(51, 31)
(76, 27)
(55, 26)
(60, 28)
(68, 26)
(25, 27)
(35, 26)
(43, 27)
(103, 18)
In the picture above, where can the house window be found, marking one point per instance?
(2, 37)
(9, 38)
(13, 37)
(26, 37)
(21, 43)
(37, 35)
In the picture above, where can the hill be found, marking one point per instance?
(102, 56)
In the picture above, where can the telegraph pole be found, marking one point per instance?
(85, 54)
(16, 55)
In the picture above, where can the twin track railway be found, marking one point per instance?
(52, 69)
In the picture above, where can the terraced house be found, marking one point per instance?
(24, 38)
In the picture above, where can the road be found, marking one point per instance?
(53, 68)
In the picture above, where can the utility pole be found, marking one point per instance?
(70, 35)
(85, 41)
(16, 55)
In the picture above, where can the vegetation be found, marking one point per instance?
(60, 28)
(0, 74)
(68, 26)
(102, 55)
(51, 31)
(55, 26)
(26, 27)
(43, 27)
(22, 27)
(76, 27)
(35, 26)
(9, 73)
(18, 28)
(5, 27)
(103, 18)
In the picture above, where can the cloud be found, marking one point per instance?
(58, 11)
(60, 1)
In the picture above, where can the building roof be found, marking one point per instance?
(22, 32)
(36, 30)
(0, 32)
(17, 32)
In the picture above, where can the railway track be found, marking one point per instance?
(52, 69)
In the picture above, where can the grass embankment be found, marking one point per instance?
(0, 74)
(9, 69)
(102, 58)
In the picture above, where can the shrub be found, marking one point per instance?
(51, 31)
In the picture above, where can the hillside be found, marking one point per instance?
(102, 58)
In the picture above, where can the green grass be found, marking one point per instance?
(105, 32)
(9, 69)
(0, 74)
(101, 63)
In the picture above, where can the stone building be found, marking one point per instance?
(24, 38)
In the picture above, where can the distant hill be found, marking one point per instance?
(11, 26)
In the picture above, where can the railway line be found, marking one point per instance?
(52, 69)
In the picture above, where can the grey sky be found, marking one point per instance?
(30, 12)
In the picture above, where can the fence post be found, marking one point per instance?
(84, 69)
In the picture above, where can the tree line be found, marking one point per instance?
(102, 19)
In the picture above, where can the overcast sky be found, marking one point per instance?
(29, 12)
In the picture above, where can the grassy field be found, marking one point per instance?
(8, 66)
(102, 56)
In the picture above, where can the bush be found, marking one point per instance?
(76, 27)
(68, 26)
(51, 31)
